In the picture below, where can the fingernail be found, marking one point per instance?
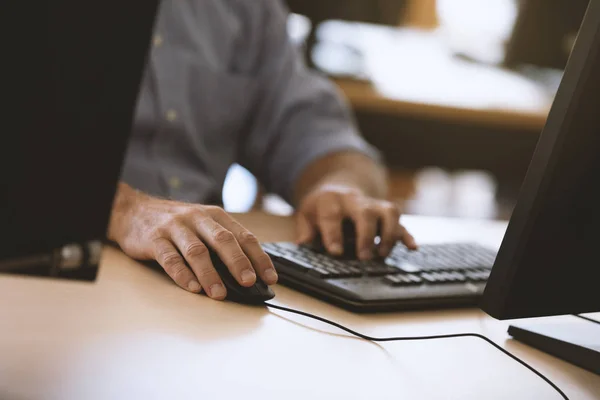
(271, 275)
(194, 286)
(365, 254)
(217, 291)
(248, 276)
(335, 248)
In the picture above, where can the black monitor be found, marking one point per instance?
(544, 32)
(70, 76)
(549, 261)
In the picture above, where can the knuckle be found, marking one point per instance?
(159, 232)
(395, 215)
(391, 208)
(195, 250)
(172, 220)
(239, 259)
(367, 211)
(331, 213)
(179, 274)
(170, 259)
(328, 190)
(328, 198)
(223, 236)
(264, 261)
(165, 228)
(207, 273)
(354, 194)
(158, 241)
(248, 238)
(215, 211)
(330, 210)
(187, 215)
(330, 194)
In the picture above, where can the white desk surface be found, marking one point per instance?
(135, 335)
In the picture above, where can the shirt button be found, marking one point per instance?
(175, 182)
(171, 115)
(157, 41)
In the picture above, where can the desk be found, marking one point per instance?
(135, 335)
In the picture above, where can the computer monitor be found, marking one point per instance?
(549, 260)
(543, 33)
(70, 76)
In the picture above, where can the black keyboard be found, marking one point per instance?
(435, 276)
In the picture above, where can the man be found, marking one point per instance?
(224, 85)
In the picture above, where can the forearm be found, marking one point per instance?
(345, 169)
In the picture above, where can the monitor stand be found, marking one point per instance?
(576, 341)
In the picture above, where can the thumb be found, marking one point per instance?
(304, 229)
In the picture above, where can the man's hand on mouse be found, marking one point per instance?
(177, 235)
(324, 208)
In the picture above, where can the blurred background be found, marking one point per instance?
(453, 92)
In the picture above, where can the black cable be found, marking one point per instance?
(595, 321)
(409, 338)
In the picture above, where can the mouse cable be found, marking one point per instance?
(595, 321)
(414, 338)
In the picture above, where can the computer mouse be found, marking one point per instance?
(255, 294)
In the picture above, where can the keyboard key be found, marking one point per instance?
(355, 271)
(458, 276)
(402, 280)
(442, 277)
(345, 270)
(429, 278)
(392, 270)
(485, 273)
(403, 266)
(337, 272)
(477, 276)
(414, 278)
(392, 280)
(375, 271)
(410, 279)
(320, 272)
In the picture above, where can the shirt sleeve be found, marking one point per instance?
(298, 115)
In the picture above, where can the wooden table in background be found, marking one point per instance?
(363, 97)
(134, 335)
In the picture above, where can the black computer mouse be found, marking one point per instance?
(255, 294)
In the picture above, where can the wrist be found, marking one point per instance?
(349, 182)
(345, 170)
(125, 199)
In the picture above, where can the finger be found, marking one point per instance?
(225, 244)
(172, 262)
(198, 258)
(365, 217)
(249, 243)
(305, 231)
(406, 238)
(390, 221)
(329, 221)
